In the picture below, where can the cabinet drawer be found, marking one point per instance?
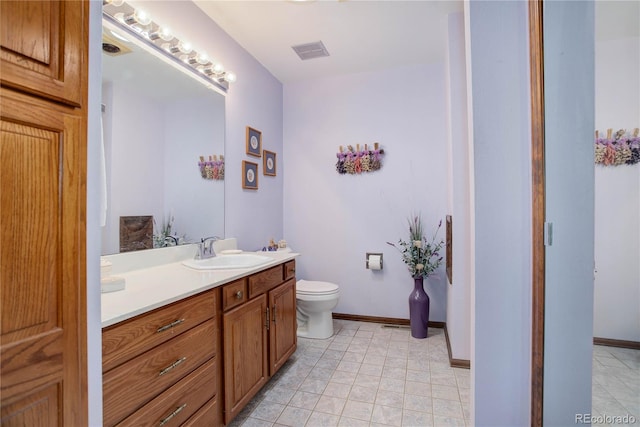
(234, 293)
(177, 404)
(261, 282)
(208, 415)
(126, 340)
(289, 270)
(129, 386)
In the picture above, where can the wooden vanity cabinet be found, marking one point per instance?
(163, 367)
(259, 335)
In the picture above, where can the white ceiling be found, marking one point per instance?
(364, 35)
(360, 35)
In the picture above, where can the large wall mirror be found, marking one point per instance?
(157, 123)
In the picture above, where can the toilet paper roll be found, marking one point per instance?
(375, 262)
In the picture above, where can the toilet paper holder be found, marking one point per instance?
(375, 255)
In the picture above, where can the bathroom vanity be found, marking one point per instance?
(188, 347)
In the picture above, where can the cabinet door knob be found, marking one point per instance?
(239, 295)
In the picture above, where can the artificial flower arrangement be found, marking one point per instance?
(619, 149)
(213, 168)
(165, 237)
(422, 256)
(356, 161)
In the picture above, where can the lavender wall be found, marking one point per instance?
(617, 194)
(497, 48)
(193, 127)
(569, 83)
(459, 192)
(137, 149)
(332, 219)
(254, 100)
(94, 335)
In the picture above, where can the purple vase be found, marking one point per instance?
(419, 309)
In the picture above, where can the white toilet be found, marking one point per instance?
(314, 301)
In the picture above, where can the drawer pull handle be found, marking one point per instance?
(239, 295)
(173, 414)
(173, 365)
(170, 325)
(274, 314)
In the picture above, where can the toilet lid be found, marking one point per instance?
(315, 288)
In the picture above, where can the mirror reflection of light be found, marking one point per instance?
(140, 22)
(118, 36)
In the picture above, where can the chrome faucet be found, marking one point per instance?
(205, 247)
(170, 241)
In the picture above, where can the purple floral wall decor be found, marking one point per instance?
(619, 149)
(356, 161)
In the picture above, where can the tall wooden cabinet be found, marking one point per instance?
(43, 138)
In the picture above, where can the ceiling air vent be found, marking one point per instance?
(311, 50)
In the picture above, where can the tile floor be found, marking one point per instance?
(616, 382)
(369, 375)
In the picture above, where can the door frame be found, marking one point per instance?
(536, 61)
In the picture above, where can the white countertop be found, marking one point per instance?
(158, 285)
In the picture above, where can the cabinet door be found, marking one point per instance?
(283, 329)
(42, 258)
(42, 45)
(245, 354)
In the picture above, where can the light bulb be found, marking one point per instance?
(142, 17)
(202, 58)
(168, 47)
(230, 77)
(165, 34)
(162, 33)
(184, 47)
(218, 68)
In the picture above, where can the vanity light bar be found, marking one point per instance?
(139, 24)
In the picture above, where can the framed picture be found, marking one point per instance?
(269, 163)
(136, 233)
(249, 175)
(254, 142)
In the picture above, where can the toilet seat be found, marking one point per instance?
(310, 287)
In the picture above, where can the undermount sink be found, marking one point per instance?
(228, 262)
